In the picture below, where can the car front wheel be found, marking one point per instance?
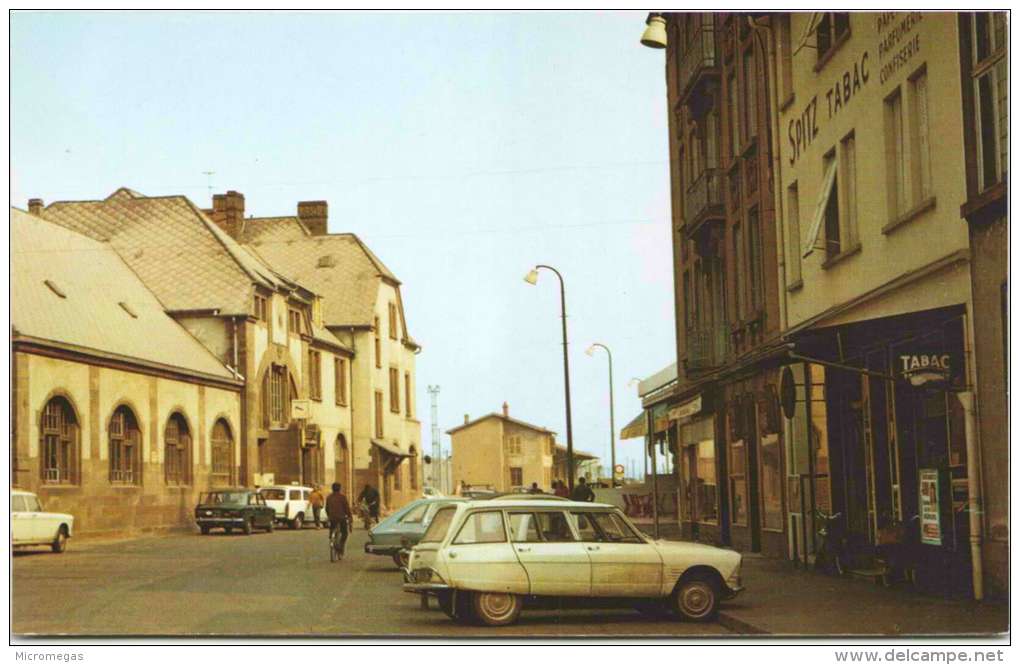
(697, 599)
(496, 609)
(297, 522)
(270, 526)
(60, 542)
(248, 523)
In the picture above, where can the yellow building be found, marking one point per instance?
(120, 416)
(876, 268)
(501, 453)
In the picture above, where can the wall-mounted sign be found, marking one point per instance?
(300, 409)
(686, 410)
(924, 368)
(931, 523)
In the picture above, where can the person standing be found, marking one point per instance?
(369, 499)
(534, 489)
(560, 489)
(338, 512)
(582, 492)
(317, 501)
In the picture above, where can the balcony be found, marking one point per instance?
(699, 63)
(707, 347)
(703, 201)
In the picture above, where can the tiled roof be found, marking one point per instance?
(501, 417)
(272, 229)
(89, 315)
(338, 267)
(178, 252)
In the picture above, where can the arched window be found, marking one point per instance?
(413, 467)
(222, 454)
(59, 432)
(277, 391)
(125, 448)
(177, 451)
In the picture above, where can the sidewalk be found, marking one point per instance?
(780, 599)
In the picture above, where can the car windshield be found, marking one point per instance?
(273, 494)
(216, 498)
(440, 525)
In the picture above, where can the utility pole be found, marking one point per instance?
(437, 448)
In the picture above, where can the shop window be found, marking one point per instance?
(771, 483)
(706, 496)
(737, 465)
(991, 97)
(125, 448)
(177, 451)
(832, 30)
(59, 445)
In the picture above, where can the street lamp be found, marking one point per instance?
(532, 278)
(655, 34)
(612, 418)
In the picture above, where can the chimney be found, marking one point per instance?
(466, 419)
(228, 212)
(35, 206)
(314, 214)
(506, 410)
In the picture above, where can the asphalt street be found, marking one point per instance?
(271, 584)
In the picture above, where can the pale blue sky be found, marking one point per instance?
(462, 147)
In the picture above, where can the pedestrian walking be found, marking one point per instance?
(560, 489)
(317, 501)
(582, 492)
(369, 502)
(338, 512)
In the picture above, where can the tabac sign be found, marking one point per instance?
(924, 368)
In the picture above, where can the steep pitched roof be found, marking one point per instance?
(77, 292)
(339, 267)
(507, 419)
(272, 229)
(182, 255)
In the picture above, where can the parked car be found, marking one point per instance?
(526, 497)
(290, 503)
(395, 535)
(478, 493)
(570, 550)
(230, 509)
(31, 525)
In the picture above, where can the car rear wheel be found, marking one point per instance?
(204, 529)
(297, 521)
(697, 599)
(60, 542)
(496, 609)
(248, 526)
(270, 526)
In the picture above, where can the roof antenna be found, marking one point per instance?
(208, 178)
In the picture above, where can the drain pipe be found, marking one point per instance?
(974, 511)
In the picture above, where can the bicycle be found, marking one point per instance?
(367, 518)
(335, 551)
(831, 553)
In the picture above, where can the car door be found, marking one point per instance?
(44, 525)
(266, 513)
(481, 558)
(622, 563)
(293, 504)
(556, 562)
(21, 520)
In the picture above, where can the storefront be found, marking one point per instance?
(879, 437)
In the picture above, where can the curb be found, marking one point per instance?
(730, 622)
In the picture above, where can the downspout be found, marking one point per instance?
(973, 493)
(350, 403)
(244, 412)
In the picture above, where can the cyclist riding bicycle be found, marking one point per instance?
(369, 500)
(338, 510)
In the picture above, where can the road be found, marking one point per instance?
(275, 584)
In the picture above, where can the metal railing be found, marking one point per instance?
(699, 54)
(704, 194)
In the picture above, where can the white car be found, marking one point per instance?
(31, 526)
(482, 559)
(290, 503)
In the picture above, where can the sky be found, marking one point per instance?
(463, 148)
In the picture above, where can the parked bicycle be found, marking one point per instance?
(831, 555)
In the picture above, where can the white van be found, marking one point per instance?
(290, 503)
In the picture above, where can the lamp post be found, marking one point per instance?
(612, 418)
(532, 278)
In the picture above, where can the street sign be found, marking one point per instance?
(300, 409)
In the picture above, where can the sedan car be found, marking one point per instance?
(483, 559)
(31, 525)
(230, 509)
(395, 535)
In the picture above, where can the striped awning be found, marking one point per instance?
(638, 426)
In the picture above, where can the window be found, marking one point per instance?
(731, 95)
(394, 390)
(480, 528)
(793, 229)
(832, 29)
(832, 227)
(261, 308)
(524, 528)
(393, 321)
(440, 525)
(59, 432)
(177, 451)
(315, 374)
(415, 515)
(18, 504)
(407, 395)
(222, 454)
(991, 97)
(378, 344)
(513, 445)
(555, 528)
(274, 396)
(706, 500)
(516, 476)
(785, 57)
(896, 155)
(740, 299)
(737, 464)
(688, 323)
(340, 381)
(585, 527)
(614, 530)
(125, 448)
(920, 151)
(699, 500)
(771, 483)
(848, 167)
(754, 267)
(378, 414)
(294, 320)
(750, 76)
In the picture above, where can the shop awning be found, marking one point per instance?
(635, 428)
(638, 427)
(390, 449)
